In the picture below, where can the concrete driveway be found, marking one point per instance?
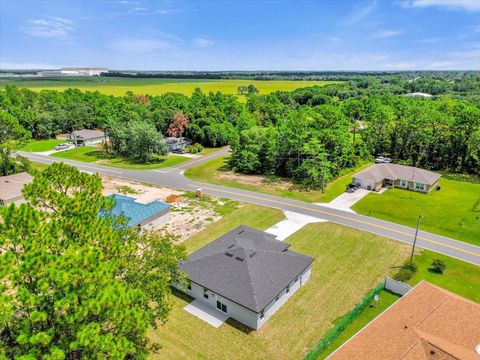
(292, 223)
(346, 200)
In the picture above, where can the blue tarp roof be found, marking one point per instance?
(135, 212)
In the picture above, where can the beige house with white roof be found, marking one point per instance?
(11, 188)
(399, 176)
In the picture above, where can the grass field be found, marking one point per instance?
(119, 86)
(347, 264)
(460, 277)
(41, 145)
(93, 155)
(214, 172)
(385, 299)
(454, 211)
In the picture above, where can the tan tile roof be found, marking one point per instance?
(89, 134)
(11, 186)
(378, 172)
(428, 323)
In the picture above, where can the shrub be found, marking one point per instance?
(406, 272)
(403, 275)
(438, 266)
(410, 265)
(194, 149)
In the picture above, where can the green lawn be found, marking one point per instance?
(41, 145)
(347, 264)
(460, 277)
(454, 211)
(93, 155)
(385, 299)
(255, 216)
(217, 172)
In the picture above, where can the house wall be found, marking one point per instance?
(242, 314)
(235, 311)
(368, 184)
(94, 141)
(16, 200)
(156, 220)
(283, 297)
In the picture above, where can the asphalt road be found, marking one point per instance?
(173, 177)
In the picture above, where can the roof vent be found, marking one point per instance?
(253, 254)
(229, 254)
(231, 246)
(239, 258)
(241, 232)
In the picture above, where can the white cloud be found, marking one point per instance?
(476, 28)
(432, 40)
(360, 11)
(466, 5)
(387, 33)
(202, 42)
(440, 64)
(51, 27)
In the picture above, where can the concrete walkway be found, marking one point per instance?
(204, 312)
(292, 223)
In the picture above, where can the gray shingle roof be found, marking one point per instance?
(88, 134)
(246, 266)
(378, 172)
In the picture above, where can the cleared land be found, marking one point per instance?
(41, 145)
(119, 86)
(217, 172)
(348, 263)
(94, 155)
(454, 211)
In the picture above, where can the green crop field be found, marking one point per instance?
(119, 86)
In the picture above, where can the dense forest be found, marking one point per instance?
(309, 135)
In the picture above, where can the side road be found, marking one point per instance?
(173, 177)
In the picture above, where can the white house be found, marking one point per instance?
(87, 137)
(246, 274)
(11, 188)
(400, 176)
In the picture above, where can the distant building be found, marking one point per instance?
(427, 323)
(11, 188)
(419, 94)
(179, 144)
(246, 274)
(141, 215)
(399, 176)
(87, 137)
(73, 72)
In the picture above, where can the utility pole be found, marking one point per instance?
(324, 175)
(415, 239)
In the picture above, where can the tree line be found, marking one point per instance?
(309, 135)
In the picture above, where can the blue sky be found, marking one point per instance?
(241, 35)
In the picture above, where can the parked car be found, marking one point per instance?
(352, 187)
(383, 160)
(62, 146)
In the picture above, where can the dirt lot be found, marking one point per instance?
(187, 217)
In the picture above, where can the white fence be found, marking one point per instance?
(397, 287)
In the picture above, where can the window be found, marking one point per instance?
(205, 294)
(262, 315)
(403, 183)
(296, 279)
(221, 306)
(288, 290)
(276, 299)
(189, 285)
(420, 186)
